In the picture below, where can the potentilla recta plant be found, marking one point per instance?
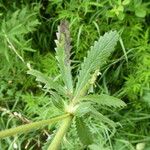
(73, 98)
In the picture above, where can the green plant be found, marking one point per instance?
(74, 101)
(138, 81)
(16, 28)
(120, 8)
(14, 31)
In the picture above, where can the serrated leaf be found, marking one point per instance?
(84, 132)
(104, 99)
(63, 54)
(57, 100)
(49, 83)
(96, 58)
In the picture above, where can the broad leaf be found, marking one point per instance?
(96, 58)
(63, 54)
(105, 100)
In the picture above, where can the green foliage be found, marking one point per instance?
(120, 8)
(105, 100)
(84, 132)
(138, 82)
(63, 55)
(15, 29)
(96, 58)
(33, 25)
(100, 51)
(49, 83)
(41, 104)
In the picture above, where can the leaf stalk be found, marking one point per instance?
(30, 126)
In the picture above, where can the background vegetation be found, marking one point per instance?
(27, 33)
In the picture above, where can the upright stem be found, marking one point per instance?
(55, 145)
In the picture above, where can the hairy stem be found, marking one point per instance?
(55, 145)
(30, 126)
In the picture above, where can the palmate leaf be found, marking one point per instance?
(104, 99)
(63, 54)
(96, 58)
(49, 83)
